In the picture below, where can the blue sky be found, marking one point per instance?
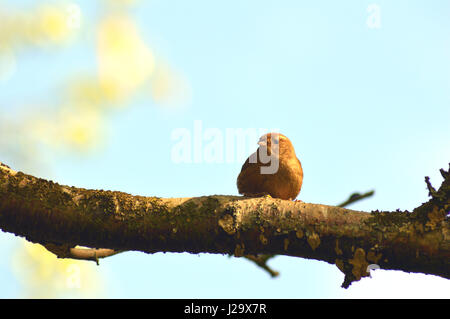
(366, 108)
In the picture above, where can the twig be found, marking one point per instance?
(92, 253)
(261, 261)
(356, 197)
(66, 251)
(431, 190)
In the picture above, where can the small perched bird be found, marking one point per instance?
(273, 169)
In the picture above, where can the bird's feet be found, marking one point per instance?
(263, 194)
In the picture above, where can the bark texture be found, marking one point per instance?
(61, 216)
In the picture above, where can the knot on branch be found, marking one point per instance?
(357, 265)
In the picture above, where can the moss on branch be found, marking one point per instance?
(51, 214)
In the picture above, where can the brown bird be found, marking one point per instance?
(273, 169)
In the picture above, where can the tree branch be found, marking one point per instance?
(48, 213)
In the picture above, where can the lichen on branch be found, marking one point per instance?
(51, 214)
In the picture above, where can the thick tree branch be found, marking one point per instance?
(48, 213)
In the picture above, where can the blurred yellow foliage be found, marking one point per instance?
(43, 25)
(85, 91)
(81, 130)
(75, 129)
(121, 2)
(43, 275)
(168, 87)
(125, 62)
(53, 22)
(76, 120)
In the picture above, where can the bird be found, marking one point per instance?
(285, 178)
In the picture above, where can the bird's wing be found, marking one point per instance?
(249, 178)
(247, 162)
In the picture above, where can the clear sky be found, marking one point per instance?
(362, 89)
